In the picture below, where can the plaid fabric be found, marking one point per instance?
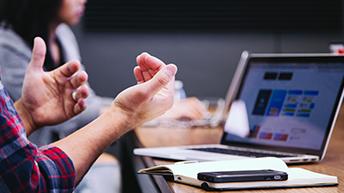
(23, 166)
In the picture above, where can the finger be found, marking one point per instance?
(152, 72)
(146, 76)
(188, 110)
(187, 116)
(81, 93)
(198, 107)
(38, 54)
(197, 104)
(67, 70)
(138, 74)
(161, 79)
(79, 79)
(79, 106)
(148, 62)
(150, 65)
(196, 114)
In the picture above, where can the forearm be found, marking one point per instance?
(85, 145)
(25, 117)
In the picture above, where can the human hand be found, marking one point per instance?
(186, 109)
(151, 97)
(47, 96)
(153, 94)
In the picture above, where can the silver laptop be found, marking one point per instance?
(279, 105)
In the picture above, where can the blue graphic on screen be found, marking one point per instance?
(269, 102)
(287, 103)
(290, 105)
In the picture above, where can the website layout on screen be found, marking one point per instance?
(289, 105)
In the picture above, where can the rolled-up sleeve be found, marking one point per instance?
(56, 169)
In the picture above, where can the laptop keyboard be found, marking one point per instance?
(241, 153)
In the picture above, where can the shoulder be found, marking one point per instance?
(63, 31)
(68, 41)
(13, 43)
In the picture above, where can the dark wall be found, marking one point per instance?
(210, 15)
(206, 61)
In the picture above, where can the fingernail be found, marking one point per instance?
(170, 70)
(144, 53)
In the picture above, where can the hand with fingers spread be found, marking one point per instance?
(153, 94)
(50, 97)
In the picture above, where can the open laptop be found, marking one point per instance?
(289, 102)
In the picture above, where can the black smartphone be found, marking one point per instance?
(243, 176)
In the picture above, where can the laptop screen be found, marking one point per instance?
(290, 102)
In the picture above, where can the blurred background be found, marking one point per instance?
(203, 37)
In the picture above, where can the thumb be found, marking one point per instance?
(161, 79)
(38, 54)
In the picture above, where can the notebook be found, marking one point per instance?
(278, 105)
(187, 174)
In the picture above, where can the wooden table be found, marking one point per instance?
(333, 164)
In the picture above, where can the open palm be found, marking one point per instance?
(47, 96)
(153, 94)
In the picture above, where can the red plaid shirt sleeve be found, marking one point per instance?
(25, 167)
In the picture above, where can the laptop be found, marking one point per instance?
(279, 105)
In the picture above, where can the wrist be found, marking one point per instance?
(25, 116)
(123, 118)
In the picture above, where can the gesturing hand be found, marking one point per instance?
(153, 94)
(47, 96)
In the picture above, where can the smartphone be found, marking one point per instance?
(243, 176)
